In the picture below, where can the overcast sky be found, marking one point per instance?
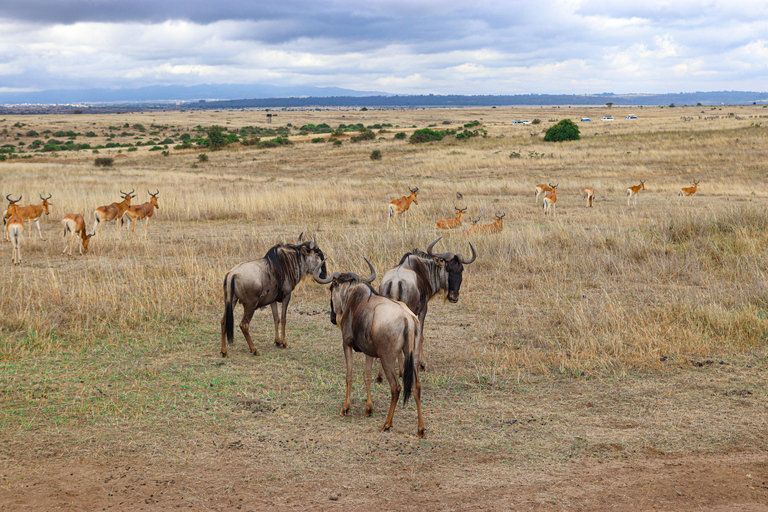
(398, 46)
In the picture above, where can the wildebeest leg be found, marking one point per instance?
(286, 300)
(248, 310)
(348, 356)
(276, 318)
(422, 363)
(394, 386)
(417, 397)
(368, 370)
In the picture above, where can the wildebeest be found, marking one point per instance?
(420, 276)
(378, 327)
(264, 282)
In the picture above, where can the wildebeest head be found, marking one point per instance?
(341, 283)
(454, 267)
(314, 256)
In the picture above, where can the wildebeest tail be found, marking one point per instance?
(409, 370)
(229, 308)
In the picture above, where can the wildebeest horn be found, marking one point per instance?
(373, 272)
(313, 244)
(300, 235)
(474, 255)
(442, 255)
(316, 274)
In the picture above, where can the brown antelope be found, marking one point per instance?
(688, 191)
(589, 195)
(550, 200)
(401, 206)
(15, 229)
(494, 227)
(31, 213)
(451, 223)
(633, 191)
(474, 227)
(110, 212)
(142, 211)
(542, 189)
(74, 225)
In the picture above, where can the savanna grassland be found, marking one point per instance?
(605, 358)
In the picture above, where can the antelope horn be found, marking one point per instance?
(155, 194)
(316, 275)
(46, 198)
(414, 190)
(8, 197)
(473, 258)
(442, 255)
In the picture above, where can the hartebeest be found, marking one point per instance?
(420, 276)
(379, 328)
(14, 228)
(401, 206)
(688, 191)
(589, 195)
(32, 212)
(542, 189)
(496, 226)
(142, 211)
(550, 200)
(633, 191)
(474, 227)
(112, 212)
(74, 225)
(452, 223)
(264, 282)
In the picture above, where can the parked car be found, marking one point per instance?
(585, 119)
(521, 122)
(631, 116)
(607, 118)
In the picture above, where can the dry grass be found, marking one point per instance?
(126, 337)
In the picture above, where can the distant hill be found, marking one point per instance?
(172, 93)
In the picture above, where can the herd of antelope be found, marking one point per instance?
(74, 223)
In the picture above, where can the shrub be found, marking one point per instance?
(216, 137)
(536, 121)
(515, 154)
(202, 157)
(562, 131)
(337, 142)
(425, 135)
(400, 136)
(318, 140)
(366, 135)
(376, 154)
(104, 161)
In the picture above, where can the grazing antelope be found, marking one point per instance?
(74, 225)
(550, 200)
(633, 191)
(589, 195)
(688, 191)
(32, 212)
(14, 229)
(142, 211)
(112, 212)
(451, 223)
(401, 206)
(542, 189)
(379, 327)
(494, 227)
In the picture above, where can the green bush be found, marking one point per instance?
(425, 135)
(376, 154)
(536, 121)
(202, 157)
(400, 136)
(216, 137)
(317, 140)
(366, 135)
(104, 162)
(337, 142)
(562, 131)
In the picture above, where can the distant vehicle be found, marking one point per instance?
(585, 119)
(631, 116)
(521, 122)
(607, 118)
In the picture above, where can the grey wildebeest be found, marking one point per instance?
(264, 282)
(379, 327)
(420, 276)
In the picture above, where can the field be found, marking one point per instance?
(606, 358)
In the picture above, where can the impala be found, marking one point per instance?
(451, 223)
(401, 206)
(14, 229)
(633, 191)
(110, 212)
(542, 189)
(550, 200)
(688, 191)
(142, 211)
(31, 213)
(74, 225)
(589, 195)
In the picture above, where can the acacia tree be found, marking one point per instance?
(216, 137)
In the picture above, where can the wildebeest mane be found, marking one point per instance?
(283, 259)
